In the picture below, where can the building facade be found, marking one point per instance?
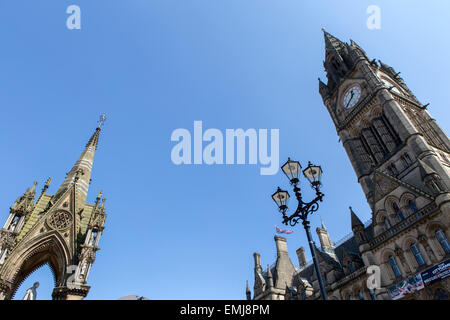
(61, 230)
(401, 159)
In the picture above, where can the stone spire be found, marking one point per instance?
(248, 293)
(80, 174)
(326, 242)
(332, 44)
(355, 220)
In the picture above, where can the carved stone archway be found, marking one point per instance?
(49, 250)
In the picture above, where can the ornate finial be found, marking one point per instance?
(47, 185)
(78, 173)
(102, 120)
(323, 29)
(99, 194)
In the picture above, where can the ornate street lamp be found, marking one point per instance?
(313, 173)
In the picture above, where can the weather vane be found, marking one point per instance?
(102, 120)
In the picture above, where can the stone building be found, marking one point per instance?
(61, 230)
(401, 159)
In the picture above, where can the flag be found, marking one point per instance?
(279, 230)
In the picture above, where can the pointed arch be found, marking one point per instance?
(49, 248)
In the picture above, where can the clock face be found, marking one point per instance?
(352, 97)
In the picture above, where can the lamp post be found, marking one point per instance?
(313, 173)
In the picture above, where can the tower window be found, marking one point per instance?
(406, 158)
(440, 235)
(395, 267)
(385, 134)
(387, 223)
(416, 252)
(373, 144)
(393, 170)
(398, 211)
(413, 206)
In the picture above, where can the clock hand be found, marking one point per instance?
(351, 98)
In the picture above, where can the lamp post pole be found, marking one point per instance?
(316, 263)
(281, 197)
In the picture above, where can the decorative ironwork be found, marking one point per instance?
(313, 174)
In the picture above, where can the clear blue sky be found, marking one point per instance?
(189, 232)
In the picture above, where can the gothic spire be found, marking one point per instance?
(355, 220)
(337, 61)
(332, 44)
(80, 174)
(248, 293)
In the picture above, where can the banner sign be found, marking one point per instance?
(439, 272)
(410, 285)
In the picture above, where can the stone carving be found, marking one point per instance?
(60, 220)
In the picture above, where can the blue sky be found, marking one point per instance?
(189, 232)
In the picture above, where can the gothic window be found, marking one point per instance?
(373, 144)
(385, 135)
(362, 154)
(440, 235)
(413, 206)
(407, 158)
(395, 267)
(393, 169)
(387, 223)
(398, 211)
(417, 254)
(424, 127)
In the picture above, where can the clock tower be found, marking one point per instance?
(382, 125)
(401, 159)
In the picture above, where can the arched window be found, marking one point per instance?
(440, 235)
(417, 254)
(361, 296)
(413, 206)
(398, 211)
(387, 223)
(395, 267)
